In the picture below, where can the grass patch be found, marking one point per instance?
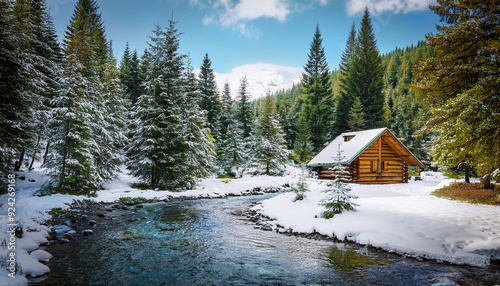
(131, 201)
(347, 259)
(469, 193)
(224, 176)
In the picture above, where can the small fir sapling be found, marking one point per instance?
(301, 188)
(338, 197)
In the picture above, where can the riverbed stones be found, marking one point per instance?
(87, 232)
(92, 222)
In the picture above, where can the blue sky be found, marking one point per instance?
(239, 32)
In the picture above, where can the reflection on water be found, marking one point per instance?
(211, 242)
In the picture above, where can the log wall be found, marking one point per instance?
(378, 164)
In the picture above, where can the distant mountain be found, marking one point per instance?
(261, 78)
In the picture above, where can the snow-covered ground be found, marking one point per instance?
(403, 218)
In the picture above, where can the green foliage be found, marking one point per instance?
(269, 154)
(244, 113)
(209, 96)
(301, 188)
(317, 100)
(462, 85)
(131, 201)
(58, 212)
(338, 198)
(356, 116)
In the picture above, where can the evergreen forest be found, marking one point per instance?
(86, 116)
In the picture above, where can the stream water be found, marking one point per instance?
(212, 242)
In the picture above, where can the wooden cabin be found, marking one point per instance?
(372, 157)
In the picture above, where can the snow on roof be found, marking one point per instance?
(349, 150)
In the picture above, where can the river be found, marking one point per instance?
(212, 242)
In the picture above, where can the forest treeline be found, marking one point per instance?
(83, 115)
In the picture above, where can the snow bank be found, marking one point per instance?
(402, 218)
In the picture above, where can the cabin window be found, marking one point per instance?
(385, 165)
(348, 138)
(374, 166)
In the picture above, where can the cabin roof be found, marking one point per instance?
(351, 149)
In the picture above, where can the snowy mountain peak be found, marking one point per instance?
(261, 78)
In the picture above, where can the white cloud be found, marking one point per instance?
(380, 6)
(238, 14)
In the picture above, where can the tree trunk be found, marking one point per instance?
(46, 152)
(34, 153)
(19, 163)
(486, 182)
(467, 173)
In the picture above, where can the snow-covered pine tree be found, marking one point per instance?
(269, 154)
(71, 161)
(110, 124)
(226, 113)
(244, 113)
(209, 96)
(301, 188)
(234, 151)
(162, 150)
(201, 156)
(338, 197)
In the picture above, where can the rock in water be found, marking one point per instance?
(87, 232)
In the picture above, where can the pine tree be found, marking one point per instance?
(110, 127)
(234, 151)
(201, 156)
(367, 77)
(244, 114)
(209, 99)
(169, 148)
(317, 106)
(135, 81)
(226, 113)
(301, 188)
(303, 147)
(356, 120)
(338, 198)
(86, 18)
(346, 97)
(462, 85)
(269, 154)
(88, 111)
(14, 110)
(70, 162)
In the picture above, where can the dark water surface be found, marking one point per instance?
(211, 242)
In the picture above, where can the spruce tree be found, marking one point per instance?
(86, 18)
(244, 113)
(346, 97)
(268, 153)
(367, 77)
(317, 106)
(462, 86)
(201, 155)
(71, 160)
(338, 197)
(303, 147)
(169, 139)
(209, 100)
(226, 113)
(15, 108)
(356, 117)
